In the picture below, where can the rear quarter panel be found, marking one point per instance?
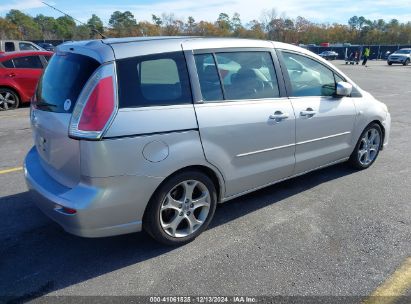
(14, 85)
(147, 141)
(27, 80)
(156, 155)
(129, 155)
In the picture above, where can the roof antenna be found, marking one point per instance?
(93, 29)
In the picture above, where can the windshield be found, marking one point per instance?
(403, 52)
(63, 80)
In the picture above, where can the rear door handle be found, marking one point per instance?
(308, 112)
(279, 116)
(12, 75)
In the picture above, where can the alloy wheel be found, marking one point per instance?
(185, 208)
(8, 100)
(369, 147)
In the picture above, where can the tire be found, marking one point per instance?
(407, 62)
(9, 99)
(367, 148)
(172, 217)
(389, 63)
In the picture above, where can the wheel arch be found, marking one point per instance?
(6, 86)
(379, 123)
(382, 130)
(215, 177)
(213, 174)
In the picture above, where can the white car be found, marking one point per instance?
(402, 56)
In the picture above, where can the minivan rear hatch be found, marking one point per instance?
(52, 107)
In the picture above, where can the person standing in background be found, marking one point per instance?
(366, 55)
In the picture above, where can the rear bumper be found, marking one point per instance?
(105, 206)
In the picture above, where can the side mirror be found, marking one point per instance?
(343, 88)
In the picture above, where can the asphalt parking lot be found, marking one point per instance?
(334, 232)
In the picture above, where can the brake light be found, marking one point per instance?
(99, 106)
(33, 100)
(96, 106)
(68, 210)
(65, 210)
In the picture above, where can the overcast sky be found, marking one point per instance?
(328, 11)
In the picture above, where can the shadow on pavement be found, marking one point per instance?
(38, 257)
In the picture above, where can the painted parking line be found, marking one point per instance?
(386, 95)
(12, 116)
(11, 170)
(393, 288)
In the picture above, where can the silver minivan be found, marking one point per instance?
(152, 133)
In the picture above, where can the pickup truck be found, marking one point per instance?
(18, 45)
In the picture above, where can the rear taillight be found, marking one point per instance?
(96, 106)
(99, 106)
(33, 100)
(65, 210)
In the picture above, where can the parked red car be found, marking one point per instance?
(19, 74)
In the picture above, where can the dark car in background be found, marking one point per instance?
(19, 74)
(329, 55)
(47, 46)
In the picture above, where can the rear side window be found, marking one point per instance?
(9, 47)
(247, 75)
(8, 64)
(63, 80)
(242, 75)
(28, 62)
(24, 46)
(154, 80)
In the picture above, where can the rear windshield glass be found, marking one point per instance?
(63, 80)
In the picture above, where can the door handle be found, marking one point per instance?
(12, 75)
(308, 112)
(279, 116)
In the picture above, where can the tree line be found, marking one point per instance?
(271, 26)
